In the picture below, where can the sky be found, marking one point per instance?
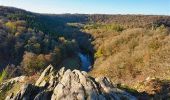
(147, 7)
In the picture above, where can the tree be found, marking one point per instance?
(12, 27)
(33, 63)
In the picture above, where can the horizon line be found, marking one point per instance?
(65, 13)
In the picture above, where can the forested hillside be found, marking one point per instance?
(32, 41)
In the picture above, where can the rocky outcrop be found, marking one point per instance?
(70, 85)
(9, 83)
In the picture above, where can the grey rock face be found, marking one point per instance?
(70, 85)
(10, 82)
(27, 92)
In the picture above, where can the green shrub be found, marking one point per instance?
(112, 27)
(3, 74)
(115, 27)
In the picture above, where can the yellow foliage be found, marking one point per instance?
(12, 27)
(99, 53)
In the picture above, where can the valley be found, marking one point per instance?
(133, 51)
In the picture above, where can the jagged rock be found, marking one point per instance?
(45, 95)
(70, 85)
(113, 92)
(28, 92)
(45, 74)
(16, 79)
(10, 82)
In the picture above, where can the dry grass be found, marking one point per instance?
(132, 55)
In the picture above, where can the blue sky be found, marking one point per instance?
(153, 7)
